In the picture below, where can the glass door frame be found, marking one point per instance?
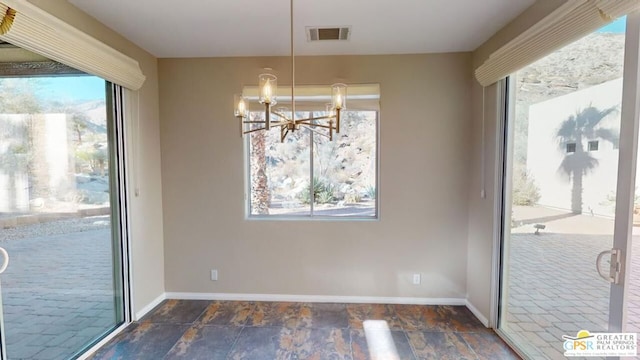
(627, 164)
(119, 101)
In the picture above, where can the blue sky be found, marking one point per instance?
(72, 88)
(617, 26)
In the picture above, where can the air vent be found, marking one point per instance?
(328, 33)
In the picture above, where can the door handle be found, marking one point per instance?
(5, 261)
(614, 266)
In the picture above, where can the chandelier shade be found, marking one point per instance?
(268, 84)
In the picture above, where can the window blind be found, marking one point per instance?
(38, 31)
(571, 21)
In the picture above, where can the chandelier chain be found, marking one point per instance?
(293, 66)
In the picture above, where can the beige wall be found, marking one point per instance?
(424, 157)
(146, 210)
(431, 120)
(482, 214)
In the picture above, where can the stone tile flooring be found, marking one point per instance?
(193, 329)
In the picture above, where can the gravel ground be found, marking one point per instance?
(58, 227)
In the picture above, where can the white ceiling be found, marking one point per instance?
(203, 28)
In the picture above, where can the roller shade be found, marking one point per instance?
(570, 22)
(38, 31)
(314, 97)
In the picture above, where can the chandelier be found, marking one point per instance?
(325, 125)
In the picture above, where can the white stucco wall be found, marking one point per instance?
(545, 152)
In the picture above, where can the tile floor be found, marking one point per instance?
(196, 329)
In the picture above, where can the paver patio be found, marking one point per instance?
(554, 288)
(57, 293)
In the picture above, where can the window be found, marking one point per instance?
(593, 145)
(571, 148)
(309, 176)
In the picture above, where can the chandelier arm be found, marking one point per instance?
(316, 118)
(253, 122)
(280, 123)
(283, 133)
(320, 126)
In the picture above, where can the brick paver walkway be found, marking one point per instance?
(57, 293)
(554, 288)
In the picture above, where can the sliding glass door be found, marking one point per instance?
(60, 216)
(568, 194)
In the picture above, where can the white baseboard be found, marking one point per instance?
(483, 319)
(313, 299)
(150, 306)
(316, 298)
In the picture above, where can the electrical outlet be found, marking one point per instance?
(416, 279)
(214, 275)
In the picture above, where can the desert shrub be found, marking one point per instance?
(370, 192)
(322, 190)
(92, 158)
(611, 201)
(352, 198)
(525, 191)
(324, 197)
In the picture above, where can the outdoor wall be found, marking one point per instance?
(555, 171)
(482, 214)
(424, 170)
(52, 175)
(146, 210)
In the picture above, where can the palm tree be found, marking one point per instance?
(583, 126)
(259, 181)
